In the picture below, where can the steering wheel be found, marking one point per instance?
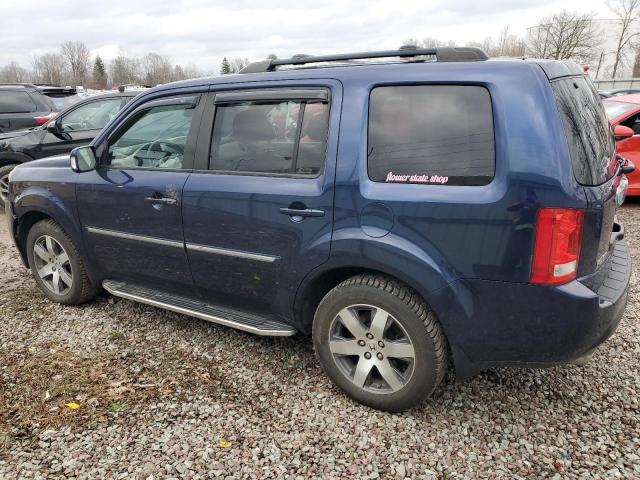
(164, 146)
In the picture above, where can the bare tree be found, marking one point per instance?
(13, 73)
(124, 70)
(49, 68)
(507, 45)
(237, 64)
(626, 11)
(564, 35)
(156, 69)
(76, 56)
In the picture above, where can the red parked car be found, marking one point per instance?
(624, 116)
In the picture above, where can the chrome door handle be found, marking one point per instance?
(161, 200)
(305, 212)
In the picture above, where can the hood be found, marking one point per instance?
(59, 161)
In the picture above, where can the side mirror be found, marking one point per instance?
(83, 159)
(620, 132)
(53, 127)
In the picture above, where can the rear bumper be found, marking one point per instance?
(515, 324)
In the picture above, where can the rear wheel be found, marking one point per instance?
(56, 264)
(379, 342)
(4, 183)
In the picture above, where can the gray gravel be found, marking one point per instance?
(163, 395)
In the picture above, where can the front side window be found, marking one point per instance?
(16, 102)
(431, 134)
(92, 116)
(270, 137)
(155, 139)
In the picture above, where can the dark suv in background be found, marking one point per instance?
(410, 214)
(73, 127)
(23, 106)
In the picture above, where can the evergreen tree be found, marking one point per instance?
(99, 73)
(225, 68)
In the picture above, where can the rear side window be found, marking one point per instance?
(586, 127)
(270, 137)
(16, 102)
(431, 134)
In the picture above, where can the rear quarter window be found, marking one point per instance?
(16, 102)
(586, 127)
(431, 134)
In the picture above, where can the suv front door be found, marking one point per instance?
(130, 205)
(258, 211)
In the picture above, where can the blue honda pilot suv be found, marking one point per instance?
(433, 210)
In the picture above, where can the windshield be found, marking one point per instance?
(614, 109)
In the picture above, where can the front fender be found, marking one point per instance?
(58, 205)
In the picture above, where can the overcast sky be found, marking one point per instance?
(201, 32)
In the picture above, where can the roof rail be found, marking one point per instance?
(442, 54)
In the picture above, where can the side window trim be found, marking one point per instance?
(291, 94)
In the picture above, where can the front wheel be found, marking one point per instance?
(379, 342)
(57, 265)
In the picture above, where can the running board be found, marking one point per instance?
(231, 318)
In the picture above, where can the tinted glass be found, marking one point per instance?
(156, 139)
(16, 102)
(586, 126)
(614, 109)
(92, 116)
(279, 137)
(435, 134)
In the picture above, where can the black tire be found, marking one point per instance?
(4, 172)
(81, 289)
(420, 327)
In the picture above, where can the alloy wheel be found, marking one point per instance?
(52, 264)
(4, 188)
(371, 348)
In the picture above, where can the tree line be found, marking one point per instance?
(559, 36)
(74, 65)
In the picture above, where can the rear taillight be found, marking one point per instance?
(557, 245)
(45, 119)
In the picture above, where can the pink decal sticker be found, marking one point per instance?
(416, 178)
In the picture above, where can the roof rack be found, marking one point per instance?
(442, 54)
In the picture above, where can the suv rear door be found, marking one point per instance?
(258, 211)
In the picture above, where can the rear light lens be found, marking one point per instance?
(557, 245)
(45, 119)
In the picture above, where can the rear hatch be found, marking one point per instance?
(592, 150)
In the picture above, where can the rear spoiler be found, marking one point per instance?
(52, 91)
(560, 68)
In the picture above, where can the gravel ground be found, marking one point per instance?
(163, 395)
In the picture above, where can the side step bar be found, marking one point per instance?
(231, 318)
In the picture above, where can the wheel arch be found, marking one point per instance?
(13, 158)
(449, 301)
(37, 203)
